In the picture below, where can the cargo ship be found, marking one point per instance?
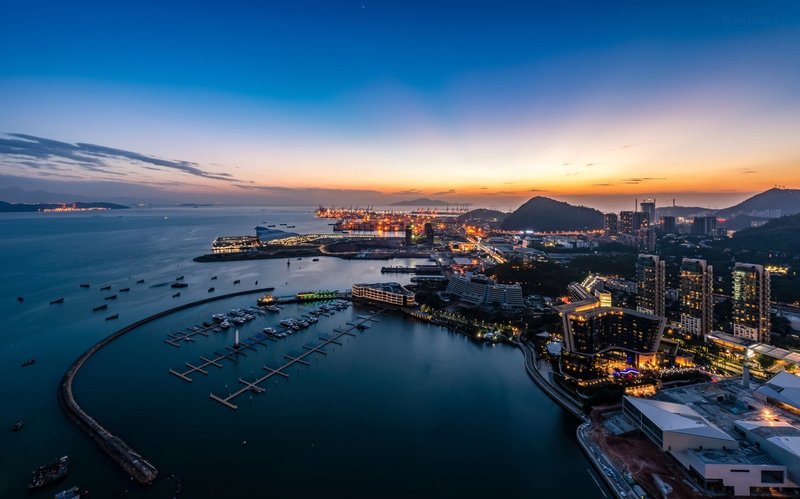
(49, 473)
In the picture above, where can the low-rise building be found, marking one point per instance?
(384, 292)
(477, 289)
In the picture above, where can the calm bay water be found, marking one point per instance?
(403, 409)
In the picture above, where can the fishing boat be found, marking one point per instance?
(213, 278)
(101, 307)
(18, 426)
(179, 285)
(112, 297)
(210, 290)
(20, 299)
(112, 317)
(237, 281)
(58, 300)
(179, 278)
(140, 281)
(28, 362)
(84, 286)
(176, 295)
(124, 290)
(105, 288)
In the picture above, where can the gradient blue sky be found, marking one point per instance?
(489, 102)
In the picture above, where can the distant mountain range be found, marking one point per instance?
(544, 214)
(767, 205)
(24, 207)
(424, 202)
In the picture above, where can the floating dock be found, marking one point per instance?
(254, 386)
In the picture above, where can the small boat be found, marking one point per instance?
(59, 300)
(237, 281)
(210, 290)
(124, 290)
(299, 257)
(290, 226)
(315, 259)
(256, 283)
(179, 285)
(101, 307)
(20, 299)
(179, 278)
(271, 225)
(105, 288)
(140, 281)
(213, 278)
(28, 362)
(176, 295)
(71, 493)
(18, 426)
(112, 297)
(288, 262)
(112, 317)
(84, 286)
(49, 473)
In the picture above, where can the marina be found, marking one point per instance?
(254, 386)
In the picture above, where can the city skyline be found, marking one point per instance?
(363, 102)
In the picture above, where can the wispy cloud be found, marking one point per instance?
(41, 153)
(639, 180)
(442, 193)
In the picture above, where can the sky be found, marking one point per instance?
(488, 103)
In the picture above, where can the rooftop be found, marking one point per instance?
(389, 287)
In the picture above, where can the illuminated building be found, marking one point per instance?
(409, 236)
(593, 333)
(639, 221)
(478, 289)
(697, 297)
(649, 209)
(751, 302)
(610, 224)
(626, 222)
(650, 276)
(235, 244)
(384, 292)
(429, 233)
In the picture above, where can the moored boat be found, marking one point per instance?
(49, 473)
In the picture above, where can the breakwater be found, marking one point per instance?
(117, 449)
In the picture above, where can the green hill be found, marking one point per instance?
(780, 234)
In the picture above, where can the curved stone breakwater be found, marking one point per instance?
(120, 452)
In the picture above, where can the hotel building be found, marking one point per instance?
(384, 292)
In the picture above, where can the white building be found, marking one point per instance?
(386, 292)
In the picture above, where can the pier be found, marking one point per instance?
(254, 386)
(136, 466)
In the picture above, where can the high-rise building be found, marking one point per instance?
(647, 239)
(668, 224)
(751, 302)
(429, 233)
(610, 225)
(704, 226)
(650, 276)
(626, 222)
(697, 296)
(649, 206)
(640, 220)
(409, 236)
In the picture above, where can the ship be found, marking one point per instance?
(176, 295)
(213, 278)
(101, 307)
(179, 285)
(49, 473)
(179, 278)
(18, 426)
(112, 317)
(210, 290)
(237, 281)
(57, 300)
(124, 290)
(140, 281)
(105, 288)
(112, 297)
(84, 286)
(28, 362)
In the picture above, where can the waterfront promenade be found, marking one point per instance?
(136, 466)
